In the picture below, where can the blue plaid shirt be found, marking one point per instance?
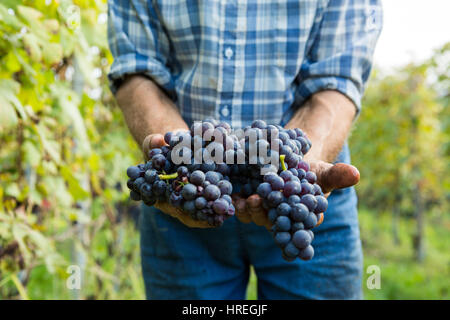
(240, 60)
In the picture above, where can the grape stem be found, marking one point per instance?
(168, 176)
(283, 165)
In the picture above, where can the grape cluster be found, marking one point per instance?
(198, 171)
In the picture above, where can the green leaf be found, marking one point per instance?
(75, 189)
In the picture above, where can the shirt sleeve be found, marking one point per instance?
(340, 54)
(137, 42)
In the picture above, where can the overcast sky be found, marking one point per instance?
(412, 29)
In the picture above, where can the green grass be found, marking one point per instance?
(401, 276)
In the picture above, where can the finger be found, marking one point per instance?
(320, 217)
(152, 141)
(241, 212)
(254, 201)
(331, 177)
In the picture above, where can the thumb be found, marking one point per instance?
(337, 176)
(152, 141)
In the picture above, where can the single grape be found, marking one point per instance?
(311, 177)
(197, 177)
(211, 192)
(299, 212)
(291, 250)
(292, 188)
(310, 221)
(264, 189)
(189, 191)
(282, 239)
(283, 209)
(220, 206)
(201, 203)
(301, 239)
(133, 172)
(307, 253)
(283, 223)
(322, 204)
(310, 201)
(226, 188)
(275, 198)
(212, 177)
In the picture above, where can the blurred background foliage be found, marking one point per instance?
(64, 149)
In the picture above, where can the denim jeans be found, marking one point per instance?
(188, 263)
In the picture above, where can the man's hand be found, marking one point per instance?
(326, 119)
(148, 113)
(157, 141)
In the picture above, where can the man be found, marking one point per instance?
(302, 64)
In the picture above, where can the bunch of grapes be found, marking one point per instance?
(198, 171)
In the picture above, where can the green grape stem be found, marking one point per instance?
(283, 165)
(168, 176)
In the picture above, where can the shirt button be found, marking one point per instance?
(225, 111)
(228, 53)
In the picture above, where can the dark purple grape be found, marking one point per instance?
(220, 206)
(277, 183)
(182, 171)
(310, 201)
(189, 191)
(310, 221)
(286, 175)
(153, 152)
(197, 177)
(311, 177)
(211, 192)
(283, 209)
(301, 239)
(301, 174)
(317, 190)
(227, 198)
(293, 171)
(226, 188)
(291, 250)
(299, 212)
(322, 204)
(167, 137)
(159, 188)
(146, 190)
(260, 124)
(201, 203)
(307, 253)
(264, 189)
(283, 223)
(282, 238)
(159, 161)
(212, 177)
(293, 199)
(275, 198)
(292, 188)
(133, 172)
(307, 188)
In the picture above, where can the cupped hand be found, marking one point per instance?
(157, 141)
(329, 177)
